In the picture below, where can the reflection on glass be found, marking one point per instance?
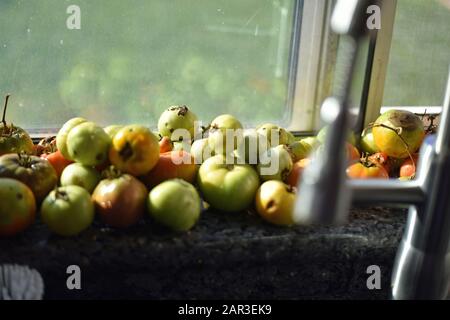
(420, 54)
(132, 59)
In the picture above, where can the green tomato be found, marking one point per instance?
(368, 143)
(76, 174)
(201, 151)
(181, 145)
(175, 203)
(222, 129)
(112, 130)
(272, 131)
(88, 144)
(227, 187)
(290, 137)
(312, 142)
(299, 150)
(61, 138)
(226, 121)
(13, 139)
(68, 210)
(275, 164)
(176, 117)
(252, 147)
(323, 132)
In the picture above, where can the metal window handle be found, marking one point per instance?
(323, 193)
(422, 267)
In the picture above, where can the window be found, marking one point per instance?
(132, 59)
(420, 54)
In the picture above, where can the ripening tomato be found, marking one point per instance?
(134, 150)
(352, 153)
(408, 167)
(398, 133)
(165, 145)
(366, 170)
(171, 165)
(382, 159)
(120, 200)
(17, 207)
(274, 202)
(57, 160)
(297, 171)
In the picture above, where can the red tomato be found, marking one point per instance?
(57, 160)
(366, 170)
(408, 167)
(170, 166)
(296, 172)
(352, 153)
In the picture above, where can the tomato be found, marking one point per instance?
(297, 170)
(61, 138)
(37, 173)
(299, 150)
(394, 128)
(381, 159)
(134, 150)
(171, 165)
(408, 167)
(77, 174)
(120, 200)
(165, 145)
(366, 170)
(68, 210)
(351, 138)
(223, 128)
(17, 207)
(175, 204)
(352, 153)
(13, 139)
(227, 187)
(311, 142)
(88, 144)
(272, 131)
(182, 146)
(367, 142)
(252, 147)
(201, 151)
(275, 202)
(112, 130)
(45, 146)
(57, 160)
(176, 117)
(275, 164)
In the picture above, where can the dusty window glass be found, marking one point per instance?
(132, 59)
(420, 54)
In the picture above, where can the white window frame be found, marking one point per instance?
(313, 80)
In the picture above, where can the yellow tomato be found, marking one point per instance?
(134, 150)
(275, 202)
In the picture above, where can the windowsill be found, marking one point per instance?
(225, 256)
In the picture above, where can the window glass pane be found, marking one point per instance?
(132, 59)
(420, 54)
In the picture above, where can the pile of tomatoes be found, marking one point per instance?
(122, 173)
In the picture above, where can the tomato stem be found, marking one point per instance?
(4, 109)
